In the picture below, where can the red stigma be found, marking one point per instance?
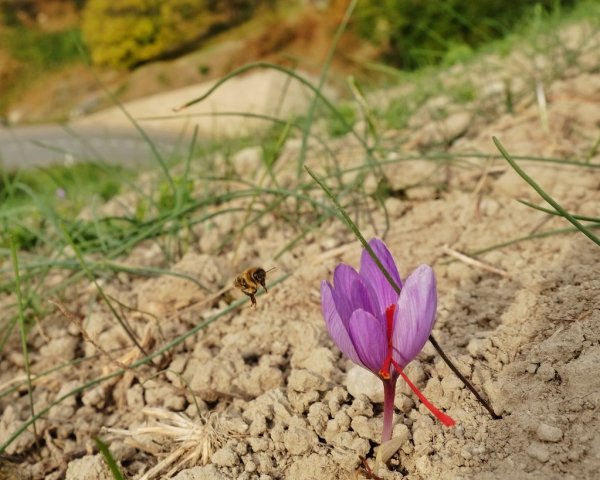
(388, 362)
(384, 371)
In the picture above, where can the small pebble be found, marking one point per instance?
(299, 441)
(548, 433)
(546, 372)
(401, 431)
(305, 380)
(532, 368)
(360, 381)
(224, 457)
(422, 436)
(361, 406)
(250, 466)
(538, 451)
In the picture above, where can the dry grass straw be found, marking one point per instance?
(179, 440)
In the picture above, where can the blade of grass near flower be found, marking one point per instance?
(130, 333)
(396, 287)
(554, 212)
(15, 262)
(109, 459)
(136, 125)
(354, 229)
(322, 78)
(544, 195)
(546, 233)
(300, 78)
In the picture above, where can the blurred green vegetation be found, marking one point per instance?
(131, 32)
(416, 33)
(78, 183)
(42, 51)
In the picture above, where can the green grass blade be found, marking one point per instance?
(109, 459)
(544, 195)
(322, 78)
(88, 271)
(300, 78)
(354, 229)
(546, 233)
(554, 212)
(15, 262)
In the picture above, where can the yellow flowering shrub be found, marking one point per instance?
(129, 32)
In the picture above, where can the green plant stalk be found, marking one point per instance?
(15, 262)
(544, 195)
(555, 213)
(109, 459)
(136, 125)
(92, 277)
(547, 233)
(396, 287)
(301, 79)
(186, 169)
(258, 116)
(322, 78)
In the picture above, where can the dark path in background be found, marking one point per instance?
(44, 145)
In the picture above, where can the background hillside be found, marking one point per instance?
(56, 54)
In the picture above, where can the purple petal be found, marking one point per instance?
(343, 277)
(335, 326)
(416, 314)
(350, 292)
(374, 277)
(368, 337)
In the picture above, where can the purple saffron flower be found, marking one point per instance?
(376, 327)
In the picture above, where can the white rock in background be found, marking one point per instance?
(548, 433)
(538, 451)
(360, 381)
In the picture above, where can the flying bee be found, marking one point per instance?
(250, 280)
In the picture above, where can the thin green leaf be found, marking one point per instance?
(544, 195)
(88, 271)
(109, 459)
(15, 262)
(354, 229)
(554, 212)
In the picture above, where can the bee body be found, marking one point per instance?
(250, 280)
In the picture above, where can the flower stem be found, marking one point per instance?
(389, 393)
(463, 379)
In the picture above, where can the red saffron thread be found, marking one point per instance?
(441, 416)
(384, 371)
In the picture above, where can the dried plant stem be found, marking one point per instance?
(474, 263)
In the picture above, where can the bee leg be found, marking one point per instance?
(253, 300)
(264, 285)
